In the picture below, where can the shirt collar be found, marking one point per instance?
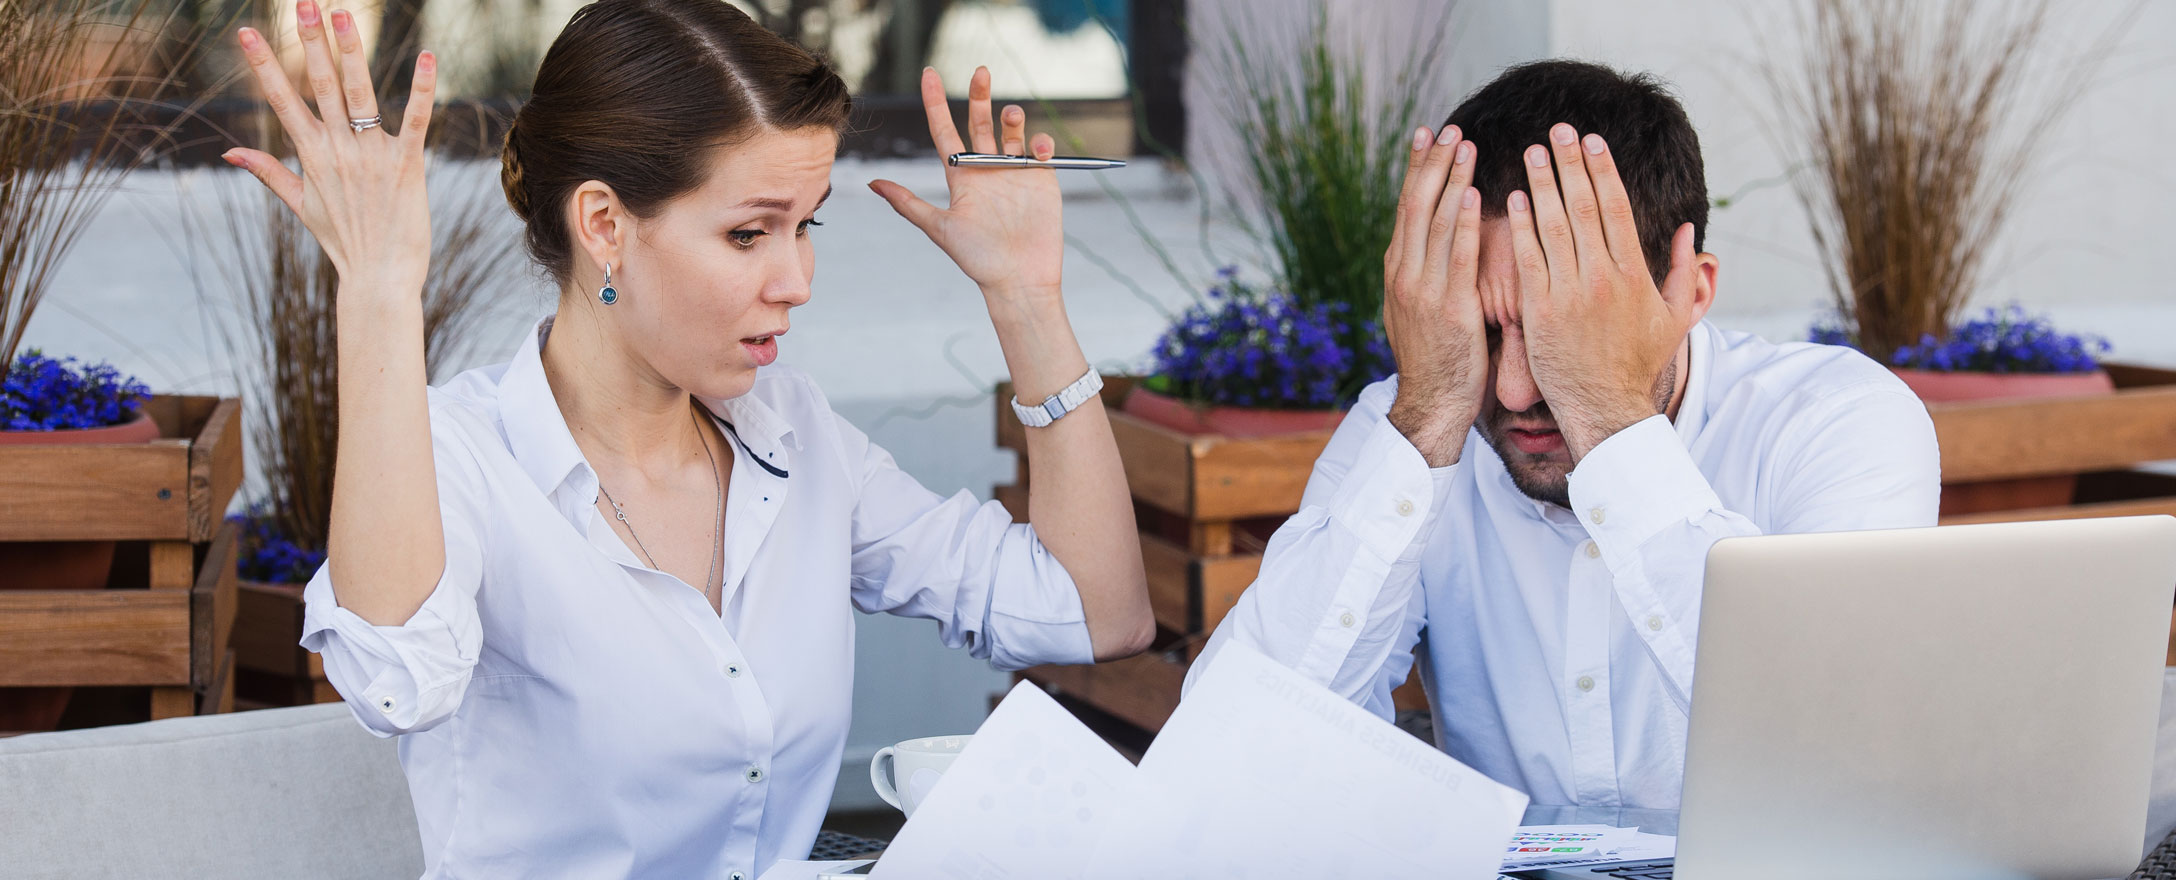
(765, 435)
(536, 432)
(1692, 412)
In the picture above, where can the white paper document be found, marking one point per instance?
(1263, 774)
(1026, 798)
(807, 870)
(1615, 845)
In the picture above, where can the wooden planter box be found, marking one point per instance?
(271, 669)
(2101, 439)
(165, 619)
(1206, 506)
(1208, 503)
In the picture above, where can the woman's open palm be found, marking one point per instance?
(361, 192)
(1004, 226)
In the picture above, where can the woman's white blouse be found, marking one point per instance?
(565, 711)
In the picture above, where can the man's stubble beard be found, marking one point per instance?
(1541, 477)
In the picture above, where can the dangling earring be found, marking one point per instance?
(606, 294)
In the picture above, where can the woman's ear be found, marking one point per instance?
(601, 223)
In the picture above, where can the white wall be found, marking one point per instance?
(2086, 243)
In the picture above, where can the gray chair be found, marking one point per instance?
(279, 793)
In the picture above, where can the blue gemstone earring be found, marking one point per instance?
(607, 294)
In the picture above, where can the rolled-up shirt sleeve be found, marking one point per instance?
(988, 582)
(1338, 599)
(407, 678)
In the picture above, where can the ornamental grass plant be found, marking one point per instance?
(1919, 124)
(1321, 142)
(89, 92)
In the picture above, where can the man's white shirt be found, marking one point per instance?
(1557, 644)
(567, 711)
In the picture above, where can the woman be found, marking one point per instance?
(602, 592)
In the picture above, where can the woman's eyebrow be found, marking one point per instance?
(778, 204)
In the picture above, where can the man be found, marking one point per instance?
(1531, 500)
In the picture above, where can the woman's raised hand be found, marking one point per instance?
(361, 192)
(1004, 226)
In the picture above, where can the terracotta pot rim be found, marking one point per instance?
(2015, 373)
(1206, 407)
(141, 416)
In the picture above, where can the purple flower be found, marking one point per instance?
(42, 394)
(2007, 340)
(1243, 346)
(267, 556)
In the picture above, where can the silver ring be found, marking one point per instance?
(363, 125)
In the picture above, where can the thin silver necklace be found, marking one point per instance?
(710, 574)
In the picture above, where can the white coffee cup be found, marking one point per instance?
(904, 774)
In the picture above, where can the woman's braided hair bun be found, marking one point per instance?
(517, 192)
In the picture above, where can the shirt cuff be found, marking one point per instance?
(393, 675)
(1036, 615)
(1391, 495)
(1636, 483)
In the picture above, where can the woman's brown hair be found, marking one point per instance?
(638, 94)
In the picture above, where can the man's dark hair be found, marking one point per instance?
(1657, 151)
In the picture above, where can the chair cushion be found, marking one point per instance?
(278, 793)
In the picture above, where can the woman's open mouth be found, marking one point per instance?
(763, 349)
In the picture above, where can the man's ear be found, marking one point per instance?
(600, 224)
(1705, 268)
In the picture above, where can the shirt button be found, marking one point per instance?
(1596, 515)
(732, 670)
(1346, 619)
(1405, 507)
(386, 704)
(1594, 551)
(1654, 622)
(752, 774)
(736, 875)
(1586, 683)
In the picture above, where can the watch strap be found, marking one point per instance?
(1057, 405)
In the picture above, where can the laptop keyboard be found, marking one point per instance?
(1637, 872)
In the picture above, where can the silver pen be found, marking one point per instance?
(995, 160)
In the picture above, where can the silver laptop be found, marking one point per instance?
(1959, 702)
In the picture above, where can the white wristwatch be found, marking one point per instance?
(1042, 414)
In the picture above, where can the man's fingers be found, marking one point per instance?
(317, 63)
(1394, 256)
(1679, 287)
(1042, 146)
(415, 126)
(1545, 210)
(279, 94)
(922, 214)
(1420, 210)
(979, 131)
(1580, 207)
(939, 111)
(284, 184)
(1443, 227)
(1618, 222)
(362, 94)
(1527, 255)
